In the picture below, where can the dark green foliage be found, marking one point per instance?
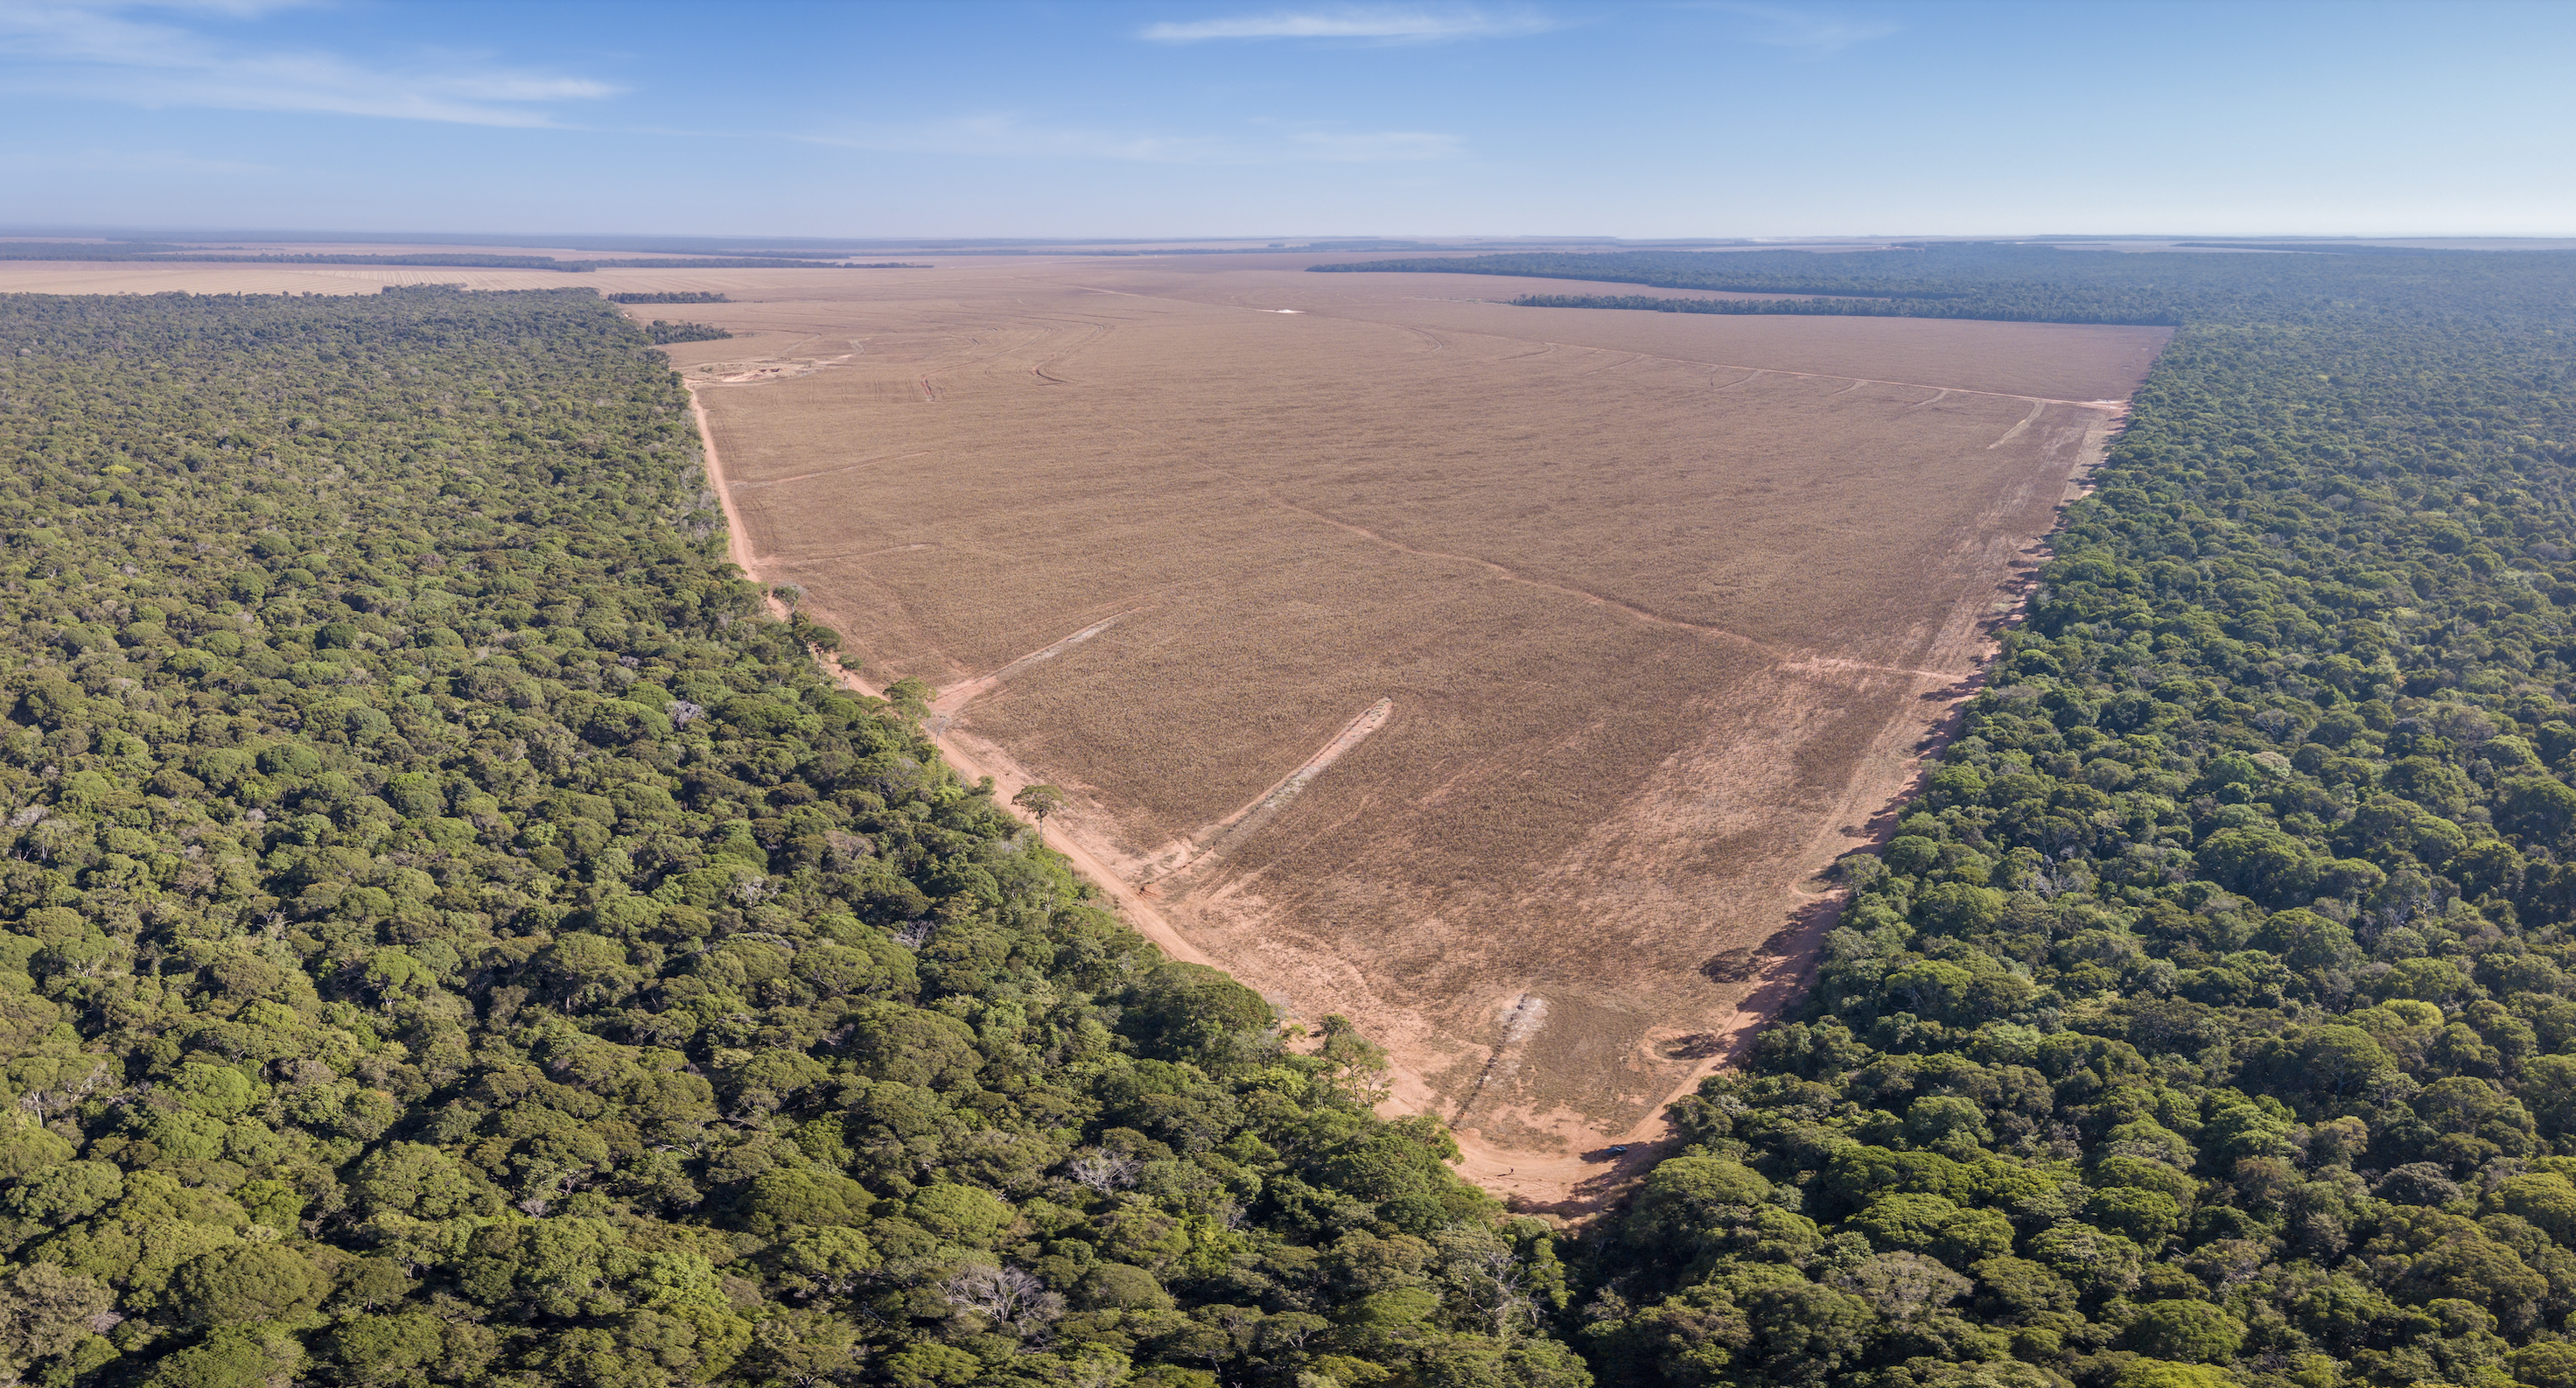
(663, 330)
(2208, 1018)
(448, 935)
(671, 296)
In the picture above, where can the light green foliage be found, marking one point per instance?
(2191, 1331)
(249, 1282)
(47, 1314)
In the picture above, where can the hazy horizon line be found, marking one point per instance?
(95, 231)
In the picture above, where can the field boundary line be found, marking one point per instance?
(2114, 406)
(737, 534)
(1598, 599)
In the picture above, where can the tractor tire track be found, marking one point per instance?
(1211, 842)
(945, 708)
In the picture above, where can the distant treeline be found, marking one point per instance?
(1869, 308)
(663, 332)
(1263, 250)
(727, 263)
(1993, 280)
(160, 251)
(83, 250)
(675, 296)
(2313, 248)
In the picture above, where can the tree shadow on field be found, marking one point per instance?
(1606, 1190)
(1781, 965)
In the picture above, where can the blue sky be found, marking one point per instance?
(1671, 119)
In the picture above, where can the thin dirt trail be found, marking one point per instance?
(1625, 609)
(1794, 661)
(835, 471)
(2019, 429)
(1008, 777)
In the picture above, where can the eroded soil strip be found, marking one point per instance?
(1528, 1014)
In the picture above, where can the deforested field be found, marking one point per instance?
(1499, 677)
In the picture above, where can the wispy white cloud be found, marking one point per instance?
(109, 51)
(158, 163)
(1371, 146)
(1385, 24)
(1003, 135)
(1784, 27)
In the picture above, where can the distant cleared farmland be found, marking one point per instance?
(1620, 626)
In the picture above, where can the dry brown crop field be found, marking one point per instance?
(1500, 677)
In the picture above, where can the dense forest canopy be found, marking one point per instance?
(448, 934)
(2211, 1017)
(452, 935)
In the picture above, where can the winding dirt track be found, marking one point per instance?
(1647, 621)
